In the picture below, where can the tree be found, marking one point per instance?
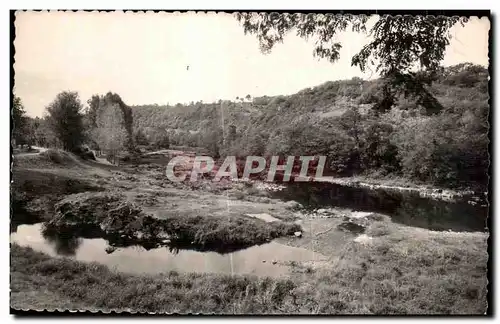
(231, 134)
(66, 120)
(159, 138)
(212, 140)
(90, 119)
(41, 132)
(346, 150)
(110, 133)
(379, 153)
(140, 138)
(19, 120)
(351, 122)
(97, 103)
(399, 44)
(91, 111)
(31, 128)
(127, 118)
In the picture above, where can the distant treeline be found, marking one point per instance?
(447, 145)
(436, 132)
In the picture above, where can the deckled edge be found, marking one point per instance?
(128, 312)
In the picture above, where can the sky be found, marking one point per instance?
(166, 58)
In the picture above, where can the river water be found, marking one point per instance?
(271, 259)
(409, 208)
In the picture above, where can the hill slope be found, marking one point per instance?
(448, 148)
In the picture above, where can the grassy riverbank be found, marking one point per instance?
(71, 193)
(400, 271)
(394, 270)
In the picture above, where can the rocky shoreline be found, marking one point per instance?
(422, 191)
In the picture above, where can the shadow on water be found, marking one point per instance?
(20, 215)
(67, 240)
(65, 245)
(22, 218)
(404, 207)
(268, 259)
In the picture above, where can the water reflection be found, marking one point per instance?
(64, 243)
(269, 259)
(404, 207)
(21, 218)
(20, 215)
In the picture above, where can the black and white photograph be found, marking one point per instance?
(250, 162)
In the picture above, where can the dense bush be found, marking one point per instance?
(447, 149)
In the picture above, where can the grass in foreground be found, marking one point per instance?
(404, 271)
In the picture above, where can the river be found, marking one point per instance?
(409, 208)
(271, 259)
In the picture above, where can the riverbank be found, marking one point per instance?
(399, 270)
(137, 203)
(402, 185)
(371, 181)
(373, 265)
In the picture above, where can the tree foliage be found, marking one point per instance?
(110, 132)
(43, 134)
(20, 125)
(336, 119)
(99, 103)
(159, 138)
(92, 109)
(127, 118)
(398, 42)
(66, 120)
(398, 45)
(140, 137)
